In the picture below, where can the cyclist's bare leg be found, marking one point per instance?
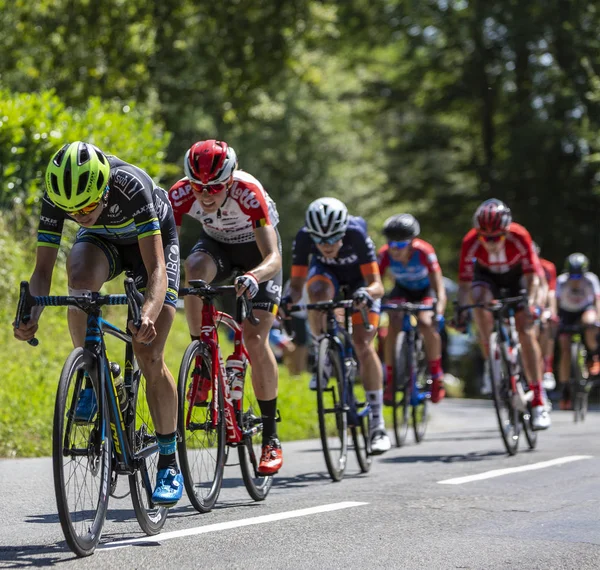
(588, 321)
(483, 319)
(394, 327)
(370, 365)
(161, 391)
(564, 364)
(530, 348)
(265, 373)
(319, 288)
(431, 336)
(87, 269)
(198, 265)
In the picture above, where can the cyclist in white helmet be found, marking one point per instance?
(331, 250)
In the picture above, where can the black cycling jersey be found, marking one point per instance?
(357, 256)
(136, 208)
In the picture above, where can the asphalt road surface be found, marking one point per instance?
(454, 501)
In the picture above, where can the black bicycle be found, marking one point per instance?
(511, 393)
(411, 375)
(338, 407)
(88, 456)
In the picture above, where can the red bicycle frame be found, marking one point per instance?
(209, 336)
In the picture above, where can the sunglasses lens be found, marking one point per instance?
(399, 244)
(209, 188)
(328, 240)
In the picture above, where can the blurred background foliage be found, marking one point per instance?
(390, 105)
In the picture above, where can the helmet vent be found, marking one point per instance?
(67, 179)
(84, 154)
(54, 184)
(59, 155)
(83, 182)
(100, 179)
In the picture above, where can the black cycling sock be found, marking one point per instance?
(167, 445)
(194, 337)
(268, 410)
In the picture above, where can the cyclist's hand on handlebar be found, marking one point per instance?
(441, 322)
(246, 284)
(146, 333)
(535, 311)
(285, 306)
(25, 331)
(362, 298)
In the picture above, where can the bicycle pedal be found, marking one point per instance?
(278, 416)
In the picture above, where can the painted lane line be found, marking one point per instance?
(233, 524)
(509, 470)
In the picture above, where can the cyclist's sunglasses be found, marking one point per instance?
(399, 244)
(575, 275)
(210, 188)
(491, 238)
(328, 240)
(90, 207)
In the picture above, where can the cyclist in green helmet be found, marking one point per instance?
(126, 223)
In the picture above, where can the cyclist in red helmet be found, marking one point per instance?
(226, 222)
(499, 254)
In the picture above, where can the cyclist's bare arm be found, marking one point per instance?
(532, 283)
(552, 304)
(463, 295)
(296, 288)
(151, 248)
(266, 240)
(437, 284)
(374, 286)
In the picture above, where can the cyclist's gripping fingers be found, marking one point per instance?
(146, 333)
(25, 331)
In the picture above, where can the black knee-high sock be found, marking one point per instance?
(167, 446)
(268, 410)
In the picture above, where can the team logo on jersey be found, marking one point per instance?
(181, 192)
(245, 197)
(49, 221)
(114, 211)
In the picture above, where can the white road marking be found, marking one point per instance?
(233, 524)
(509, 470)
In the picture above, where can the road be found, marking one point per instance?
(403, 514)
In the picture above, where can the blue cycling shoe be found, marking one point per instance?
(87, 406)
(169, 487)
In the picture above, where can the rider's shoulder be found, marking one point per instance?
(518, 230)
(357, 225)
(470, 236)
(422, 245)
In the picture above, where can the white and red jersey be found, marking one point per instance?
(575, 295)
(516, 251)
(247, 206)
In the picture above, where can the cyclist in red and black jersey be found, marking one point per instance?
(498, 254)
(233, 223)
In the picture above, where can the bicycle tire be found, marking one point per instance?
(249, 451)
(420, 412)
(330, 404)
(81, 449)
(144, 451)
(578, 383)
(531, 435)
(202, 444)
(507, 415)
(362, 442)
(402, 390)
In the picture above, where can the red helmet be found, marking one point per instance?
(210, 162)
(492, 216)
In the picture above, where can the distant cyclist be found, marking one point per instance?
(548, 318)
(418, 279)
(578, 299)
(498, 254)
(232, 221)
(126, 223)
(333, 250)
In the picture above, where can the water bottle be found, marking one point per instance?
(235, 370)
(115, 370)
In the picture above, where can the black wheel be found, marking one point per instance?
(360, 436)
(579, 377)
(530, 434)
(144, 448)
(420, 412)
(202, 429)
(401, 404)
(81, 456)
(333, 420)
(249, 451)
(509, 421)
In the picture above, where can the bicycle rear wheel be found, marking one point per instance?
(333, 420)
(203, 440)
(144, 449)
(507, 414)
(401, 404)
(420, 412)
(360, 435)
(249, 450)
(579, 379)
(81, 456)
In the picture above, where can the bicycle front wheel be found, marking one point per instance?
(362, 442)
(530, 434)
(420, 412)
(333, 420)
(201, 426)
(144, 448)
(249, 450)
(402, 391)
(579, 378)
(507, 414)
(81, 456)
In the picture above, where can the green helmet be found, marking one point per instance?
(76, 176)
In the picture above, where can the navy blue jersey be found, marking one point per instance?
(356, 258)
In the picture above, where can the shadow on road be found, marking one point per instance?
(454, 458)
(22, 556)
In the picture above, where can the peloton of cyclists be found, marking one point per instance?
(232, 222)
(418, 279)
(498, 254)
(126, 222)
(578, 299)
(333, 250)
